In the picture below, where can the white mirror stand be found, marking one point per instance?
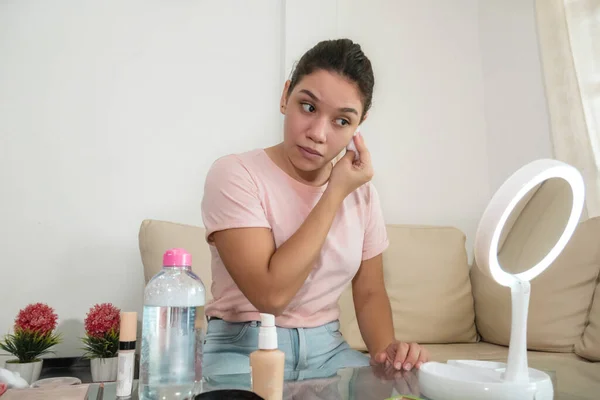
(484, 380)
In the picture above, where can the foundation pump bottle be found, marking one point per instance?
(267, 363)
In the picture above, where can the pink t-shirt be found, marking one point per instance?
(250, 190)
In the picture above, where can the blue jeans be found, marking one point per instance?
(228, 346)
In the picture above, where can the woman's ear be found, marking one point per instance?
(365, 117)
(284, 97)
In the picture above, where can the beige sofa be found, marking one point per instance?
(456, 311)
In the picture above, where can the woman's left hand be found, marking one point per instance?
(401, 355)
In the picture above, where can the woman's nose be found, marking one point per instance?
(318, 131)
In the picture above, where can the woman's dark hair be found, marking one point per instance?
(344, 57)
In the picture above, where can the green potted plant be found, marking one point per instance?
(101, 341)
(32, 338)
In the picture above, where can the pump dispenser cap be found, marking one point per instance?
(267, 334)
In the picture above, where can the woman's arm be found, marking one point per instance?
(374, 315)
(372, 306)
(271, 277)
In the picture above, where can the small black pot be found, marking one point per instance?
(230, 394)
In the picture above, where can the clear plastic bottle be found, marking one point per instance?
(172, 330)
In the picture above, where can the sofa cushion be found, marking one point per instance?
(427, 279)
(426, 272)
(589, 345)
(156, 237)
(559, 302)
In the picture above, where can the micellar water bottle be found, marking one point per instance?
(172, 330)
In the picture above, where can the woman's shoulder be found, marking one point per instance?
(246, 158)
(250, 170)
(366, 198)
(237, 164)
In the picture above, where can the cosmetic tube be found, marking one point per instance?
(127, 339)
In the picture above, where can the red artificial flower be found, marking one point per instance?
(37, 317)
(101, 319)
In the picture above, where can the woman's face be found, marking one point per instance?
(321, 115)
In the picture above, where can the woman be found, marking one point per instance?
(289, 229)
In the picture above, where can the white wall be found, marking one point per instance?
(516, 114)
(111, 113)
(427, 128)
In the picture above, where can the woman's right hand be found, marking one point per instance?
(348, 175)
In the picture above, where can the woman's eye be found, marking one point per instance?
(342, 121)
(308, 107)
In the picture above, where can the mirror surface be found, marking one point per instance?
(535, 225)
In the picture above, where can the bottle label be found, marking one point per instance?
(125, 374)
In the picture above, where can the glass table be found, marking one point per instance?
(365, 383)
(352, 383)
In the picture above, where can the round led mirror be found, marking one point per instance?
(524, 228)
(552, 192)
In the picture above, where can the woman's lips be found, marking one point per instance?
(311, 153)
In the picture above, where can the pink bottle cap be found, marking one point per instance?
(177, 258)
